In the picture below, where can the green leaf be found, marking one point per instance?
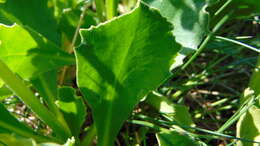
(73, 109)
(12, 140)
(46, 85)
(10, 123)
(19, 88)
(176, 138)
(248, 127)
(121, 61)
(178, 113)
(5, 93)
(35, 56)
(189, 18)
(255, 79)
(31, 13)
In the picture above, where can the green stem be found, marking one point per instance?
(238, 43)
(238, 114)
(111, 8)
(208, 38)
(221, 9)
(20, 89)
(172, 123)
(89, 138)
(100, 7)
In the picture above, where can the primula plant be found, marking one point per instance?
(129, 73)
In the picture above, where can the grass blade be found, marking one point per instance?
(19, 88)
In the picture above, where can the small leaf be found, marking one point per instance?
(176, 138)
(178, 113)
(122, 60)
(73, 109)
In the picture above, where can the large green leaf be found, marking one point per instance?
(34, 14)
(73, 109)
(189, 18)
(120, 62)
(28, 54)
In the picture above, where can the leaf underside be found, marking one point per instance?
(189, 18)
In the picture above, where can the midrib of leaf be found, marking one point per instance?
(115, 84)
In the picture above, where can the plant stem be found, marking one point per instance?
(21, 90)
(70, 49)
(222, 7)
(238, 43)
(88, 139)
(172, 123)
(100, 7)
(111, 8)
(238, 114)
(82, 15)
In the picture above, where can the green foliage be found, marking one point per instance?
(29, 59)
(115, 82)
(189, 18)
(93, 97)
(176, 138)
(175, 112)
(248, 125)
(4, 93)
(12, 124)
(73, 109)
(12, 140)
(34, 14)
